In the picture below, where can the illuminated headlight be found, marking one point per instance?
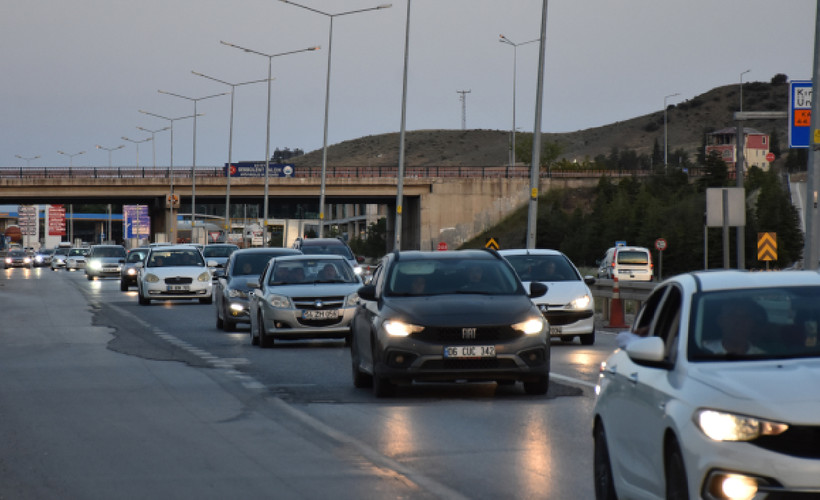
(131, 271)
(8, 260)
(279, 301)
(234, 293)
(357, 269)
(530, 326)
(400, 329)
(27, 260)
(151, 278)
(39, 258)
(204, 277)
(581, 302)
(722, 426)
(352, 299)
(237, 307)
(95, 265)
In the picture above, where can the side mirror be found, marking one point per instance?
(139, 265)
(212, 263)
(646, 350)
(589, 280)
(537, 289)
(367, 292)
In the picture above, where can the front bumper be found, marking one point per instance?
(236, 309)
(567, 322)
(289, 324)
(159, 290)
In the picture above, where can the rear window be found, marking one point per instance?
(633, 257)
(108, 252)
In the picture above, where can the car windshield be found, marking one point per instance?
(77, 251)
(17, 253)
(634, 257)
(108, 252)
(340, 249)
(218, 251)
(316, 270)
(766, 323)
(176, 258)
(135, 256)
(543, 267)
(447, 276)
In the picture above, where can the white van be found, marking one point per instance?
(627, 263)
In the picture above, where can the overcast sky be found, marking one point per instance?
(73, 74)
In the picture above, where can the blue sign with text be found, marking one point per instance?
(799, 113)
(257, 169)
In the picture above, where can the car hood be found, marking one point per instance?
(456, 310)
(315, 289)
(781, 386)
(165, 272)
(560, 292)
(241, 282)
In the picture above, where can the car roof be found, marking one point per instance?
(322, 241)
(529, 251)
(455, 255)
(717, 280)
(271, 250)
(311, 257)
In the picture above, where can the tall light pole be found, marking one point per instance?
(172, 223)
(193, 166)
(109, 151)
(27, 159)
(267, 134)
(535, 166)
(504, 39)
(230, 147)
(71, 157)
(327, 95)
(665, 136)
(138, 146)
(154, 141)
(403, 126)
(741, 88)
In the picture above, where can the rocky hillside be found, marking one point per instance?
(687, 122)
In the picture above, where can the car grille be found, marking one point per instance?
(334, 302)
(457, 336)
(179, 280)
(797, 441)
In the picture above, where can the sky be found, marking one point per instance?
(74, 74)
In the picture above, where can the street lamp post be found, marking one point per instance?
(153, 141)
(109, 151)
(171, 220)
(327, 95)
(230, 147)
(665, 137)
(402, 129)
(71, 157)
(27, 159)
(504, 39)
(741, 88)
(267, 134)
(138, 146)
(193, 166)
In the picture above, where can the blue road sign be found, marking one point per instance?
(257, 169)
(799, 113)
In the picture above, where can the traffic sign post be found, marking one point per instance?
(660, 246)
(799, 113)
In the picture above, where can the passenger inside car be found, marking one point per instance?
(737, 321)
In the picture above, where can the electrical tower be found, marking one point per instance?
(463, 98)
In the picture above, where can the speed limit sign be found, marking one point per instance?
(660, 244)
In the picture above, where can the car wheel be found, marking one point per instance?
(588, 339)
(602, 467)
(142, 300)
(383, 387)
(228, 325)
(219, 322)
(254, 338)
(265, 340)
(206, 300)
(360, 378)
(123, 286)
(676, 486)
(567, 338)
(538, 387)
(89, 277)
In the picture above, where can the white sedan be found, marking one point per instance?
(721, 399)
(174, 272)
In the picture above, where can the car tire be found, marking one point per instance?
(254, 338)
(219, 322)
(588, 339)
(89, 277)
(567, 338)
(383, 387)
(123, 286)
(142, 300)
(228, 325)
(360, 379)
(677, 488)
(538, 387)
(602, 466)
(265, 340)
(206, 300)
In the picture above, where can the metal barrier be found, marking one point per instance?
(632, 291)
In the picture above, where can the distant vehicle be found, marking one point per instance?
(627, 263)
(58, 257)
(446, 317)
(43, 257)
(232, 284)
(128, 270)
(568, 304)
(18, 258)
(76, 258)
(719, 400)
(328, 246)
(104, 260)
(174, 272)
(219, 252)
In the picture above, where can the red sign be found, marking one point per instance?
(660, 244)
(770, 157)
(442, 246)
(56, 220)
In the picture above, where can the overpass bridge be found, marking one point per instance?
(450, 204)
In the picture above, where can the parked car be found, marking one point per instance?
(43, 257)
(301, 297)
(627, 263)
(719, 400)
(234, 282)
(447, 316)
(219, 252)
(104, 260)
(328, 246)
(18, 258)
(75, 259)
(568, 305)
(58, 257)
(174, 272)
(128, 270)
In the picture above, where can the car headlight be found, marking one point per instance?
(94, 264)
(131, 271)
(400, 329)
(234, 293)
(352, 299)
(8, 260)
(151, 278)
(279, 301)
(581, 302)
(39, 258)
(530, 326)
(723, 426)
(357, 269)
(27, 260)
(204, 277)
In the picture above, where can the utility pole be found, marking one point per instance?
(463, 98)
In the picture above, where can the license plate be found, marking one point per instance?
(470, 351)
(320, 314)
(178, 288)
(555, 330)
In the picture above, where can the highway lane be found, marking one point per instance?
(439, 440)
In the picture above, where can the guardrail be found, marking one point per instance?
(629, 291)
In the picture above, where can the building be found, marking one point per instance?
(724, 141)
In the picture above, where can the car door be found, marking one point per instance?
(367, 313)
(256, 295)
(220, 286)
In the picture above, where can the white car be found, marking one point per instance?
(76, 259)
(720, 400)
(568, 304)
(174, 272)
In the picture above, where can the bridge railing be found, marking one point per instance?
(307, 172)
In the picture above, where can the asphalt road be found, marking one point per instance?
(103, 398)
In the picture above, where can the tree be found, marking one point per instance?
(716, 171)
(550, 151)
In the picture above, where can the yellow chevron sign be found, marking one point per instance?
(766, 246)
(491, 243)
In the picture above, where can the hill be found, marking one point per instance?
(687, 123)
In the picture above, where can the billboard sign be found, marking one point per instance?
(257, 169)
(136, 221)
(56, 220)
(799, 113)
